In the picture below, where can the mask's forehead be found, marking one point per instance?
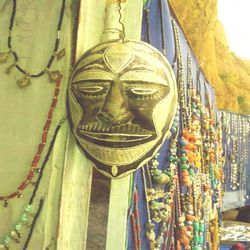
(118, 56)
(131, 60)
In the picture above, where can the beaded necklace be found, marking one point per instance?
(40, 148)
(245, 155)
(25, 81)
(135, 221)
(14, 233)
(159, 199)
(180, 77)
(234, 154)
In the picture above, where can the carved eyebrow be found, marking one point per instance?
(140, 75)
(92, 75)
(96, 65)
(141, 66)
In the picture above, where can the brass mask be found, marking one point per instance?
(121, 102)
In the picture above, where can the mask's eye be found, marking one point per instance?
(144, 91)
(91, 89)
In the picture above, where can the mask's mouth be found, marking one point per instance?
(117, 134)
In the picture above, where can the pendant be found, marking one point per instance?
(4, 57)
(55, 75)
(24, 82)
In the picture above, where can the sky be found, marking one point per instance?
(235, 16)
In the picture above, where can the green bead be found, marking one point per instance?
(18, 226)
(175, 124)
(155, 163)
(172, 158)
(196, 238)
(196, 226)
(191, 172)
(24, 217)
(196, 248)
(2, 246)
(28, 208)
(202, 227)
(201, 239)
(156, 172)
(173, 130)
(184, 166)
(183, 158)
(7, 239)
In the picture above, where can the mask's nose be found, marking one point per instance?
(115, 107)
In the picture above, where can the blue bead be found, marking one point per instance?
(183, 142)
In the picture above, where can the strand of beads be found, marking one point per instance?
(14, 234)
(33, 168)
(135, 221)
(161, 196)
(198, 239)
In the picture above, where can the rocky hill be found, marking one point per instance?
(228, 73)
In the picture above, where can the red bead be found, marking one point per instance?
(33, 164)
(58, 83)
(50, 114)
(57, 91)
(40, 148)
(54, 102)
(44, 136)
(12, 195)
(22, 186)
(37, 158)
(30, 175)
(47, 125)
(135, 197)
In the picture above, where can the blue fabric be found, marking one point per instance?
(154, 36)
(225, 247)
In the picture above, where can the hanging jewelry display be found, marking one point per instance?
(236, 131)
(200, 161)
(25, 224)
(25, 81)
(118, 93)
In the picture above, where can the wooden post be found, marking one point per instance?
(120, 188)
(77, 176)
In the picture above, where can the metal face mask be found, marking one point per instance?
(121, 102)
